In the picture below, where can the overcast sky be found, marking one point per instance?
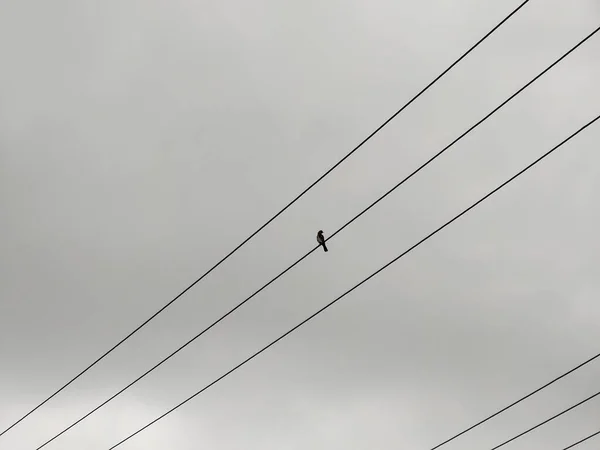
(142, 140)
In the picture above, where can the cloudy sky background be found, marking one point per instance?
(141, 140)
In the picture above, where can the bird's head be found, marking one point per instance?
(320, 232)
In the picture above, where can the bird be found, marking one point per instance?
(321, 240)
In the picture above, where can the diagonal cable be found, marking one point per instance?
(556, 416)
(515, 403)
(585, 439)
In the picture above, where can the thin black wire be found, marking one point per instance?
(360, 284)
(556, 416)
(582, 441)
(506, 408)
(272, 218)
(231, 311)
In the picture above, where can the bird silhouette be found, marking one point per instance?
(321, 240)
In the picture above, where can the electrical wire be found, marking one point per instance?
(593, 435)
(143, 324)
(522, 399)
(556, 416)
(239, 305)
(363, 282)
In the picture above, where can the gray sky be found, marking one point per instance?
(140, 141)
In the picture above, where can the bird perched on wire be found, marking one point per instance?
(321, 240)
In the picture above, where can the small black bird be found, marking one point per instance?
(321, 240)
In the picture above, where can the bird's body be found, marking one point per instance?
(321, 240)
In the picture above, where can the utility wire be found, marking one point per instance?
(582, 441)
(506, 408)
(270, 220)
(239, 305)
(360, 284)
(556, 416)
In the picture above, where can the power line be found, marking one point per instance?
(239, 305)
(118, 344)
(506, 408)
(360, 284)
(556, 416)
(582, 440)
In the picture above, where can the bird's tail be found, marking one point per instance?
(325, 247)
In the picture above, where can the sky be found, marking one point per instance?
(141, 141)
